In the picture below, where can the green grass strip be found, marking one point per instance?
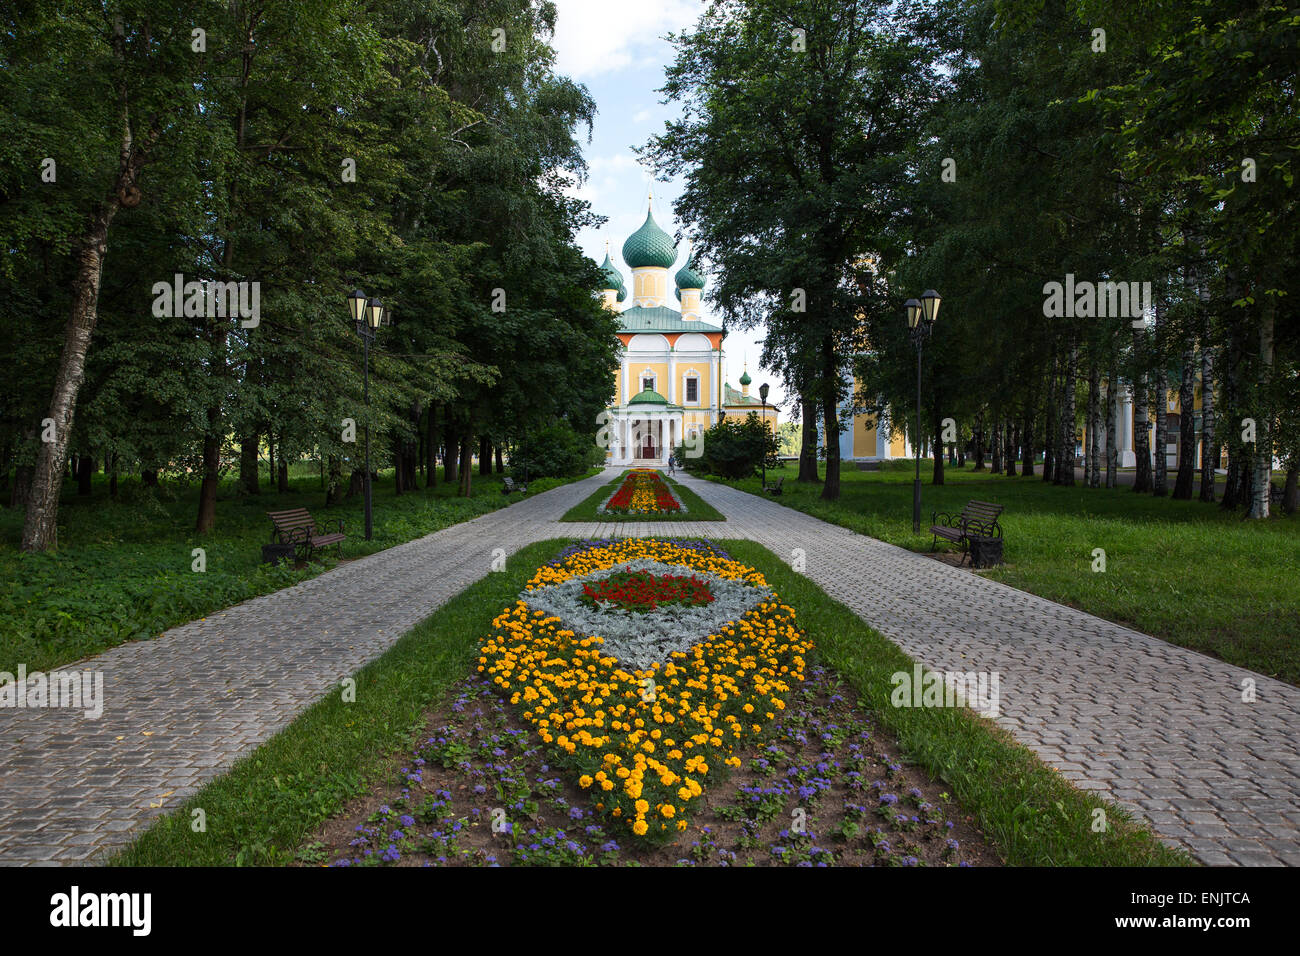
(696, 508)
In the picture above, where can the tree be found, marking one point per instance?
(797, 115)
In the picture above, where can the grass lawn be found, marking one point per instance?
(696, 508)
(1182, 570)
(124, 568)
(267, 808)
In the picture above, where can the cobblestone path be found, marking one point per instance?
(1157, 728)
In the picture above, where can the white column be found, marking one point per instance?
(715, 386)
(1127, 457)
(627, 371)
(672, 377)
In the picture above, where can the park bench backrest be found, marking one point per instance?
(981, 513)
(292, 520)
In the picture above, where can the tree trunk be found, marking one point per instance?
(1160, 477)
(211, 475)
(450, 458)
(22, 485)
(1093, 449)
(1141, 405)
(979, 441)
(270, 459)
(40, 524)
(501, 467)
(357, 483)
(484, 455)
(85, 473)
(1261, 480)
(1291, 492)
(112, 475)
(1112, 426)
(831, 421)
(1209, 444)
(1065, 459)
(1186, 426)
(1049, 427)
(997, 447)
(1026, 443)
(248, 465)
(149, 477)
(282, 473)
(334, 486)
(808, 440)
(399, 468)
(465, 461)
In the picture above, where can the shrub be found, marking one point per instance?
(734, 448)
(553, 451)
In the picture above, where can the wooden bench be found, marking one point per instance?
(977, 519)
(509, 487)
(776, 488)
(297, 528)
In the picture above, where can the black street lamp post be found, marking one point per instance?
(920, 319)
(762, 393)
(368, 316)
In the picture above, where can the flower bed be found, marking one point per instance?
(641, 591)
(643, 491)
(477, 790)
(644, 735)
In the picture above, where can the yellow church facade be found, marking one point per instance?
(669, 387)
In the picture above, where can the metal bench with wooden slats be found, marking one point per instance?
(977, 519)
(297, 528)
(776, 488)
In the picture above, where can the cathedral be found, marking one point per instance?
(669, 388)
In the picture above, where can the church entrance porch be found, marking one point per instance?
(644, 441)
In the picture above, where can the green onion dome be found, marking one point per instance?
(687, 277)
(613, 278)
(744, 377)
(649, 246)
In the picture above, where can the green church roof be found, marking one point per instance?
(647, 397)
(614, 278)
(732, 397)
(660, 318)
(649, 246)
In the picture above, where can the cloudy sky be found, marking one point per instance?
(617, 49)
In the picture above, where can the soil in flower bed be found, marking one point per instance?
(824, 787)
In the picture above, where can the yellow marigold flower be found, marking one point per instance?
(642, 807)
(639, 828)
(668, 810)
(584, 781)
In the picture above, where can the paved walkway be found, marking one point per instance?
(1157, 728)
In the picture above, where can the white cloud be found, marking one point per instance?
(597, 36)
